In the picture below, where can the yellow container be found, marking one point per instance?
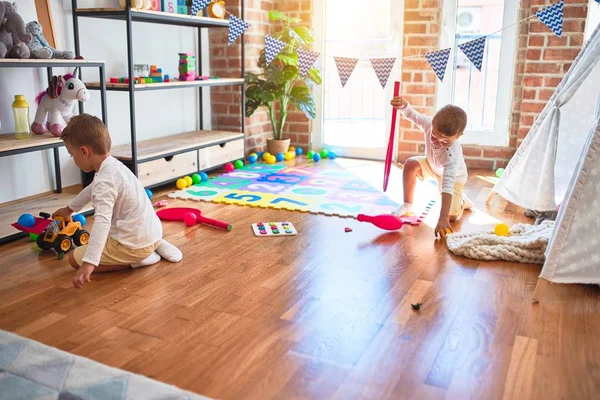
(21, 113)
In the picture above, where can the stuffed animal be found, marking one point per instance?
(13, 37)
(56, 104)
(39, 46)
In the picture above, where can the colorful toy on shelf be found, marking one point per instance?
(182, 7)
(238, 164)
(156, 74)
(187, 67)
(384, 221)
(229, 167)
(141, 70)
(216, 9)
(58, 234)
(271, 229)
(56, 103)
(183, 214)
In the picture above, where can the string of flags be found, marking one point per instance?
(237, 26)
(551, 16)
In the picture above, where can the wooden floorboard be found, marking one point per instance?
(322, 315)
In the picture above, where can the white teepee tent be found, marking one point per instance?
(558, 163)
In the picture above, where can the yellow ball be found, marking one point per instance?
(271, 160)
(292, 148)
(266, 156)
(293, 154)
(188, 181)
(287, 156)
(501, 230)
(181, 184)
(253, 154)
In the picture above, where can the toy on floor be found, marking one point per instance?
(57, 234)
(149, 193)
(310, 154)
(190, 216)
(316, 157)
(501, 229)
(298, 151)
(184, 182)
(238, 164)
(388, 222)
(415, 220)
(390, 149)
(271, 229)
(161, 203)
(229, 167)
(252, 158)
(347, 230)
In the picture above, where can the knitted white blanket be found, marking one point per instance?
(525, 243)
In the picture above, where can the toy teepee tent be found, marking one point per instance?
(558, 163)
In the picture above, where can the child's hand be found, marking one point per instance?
(399, 102)
(443, 227)
(64, 212)
(82, 276)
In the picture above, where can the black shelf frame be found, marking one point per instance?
(129, 16)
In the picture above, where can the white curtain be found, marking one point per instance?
(539, 173)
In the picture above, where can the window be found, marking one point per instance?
(485, 95)
(593, 18)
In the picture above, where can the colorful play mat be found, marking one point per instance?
(319, 188)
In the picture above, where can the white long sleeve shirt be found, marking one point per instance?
(122, 210)
(449, 164)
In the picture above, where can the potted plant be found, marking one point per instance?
(280, 85)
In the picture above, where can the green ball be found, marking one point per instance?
(324, 153)
(33, 237)
(310, 154)
(499, 172)
(196, 179)
(238, 164)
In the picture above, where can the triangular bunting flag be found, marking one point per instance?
(474, 51)
(345, 67)
(198, 5)
(272, 48)
(306, 59)
(552, 17)
(438, 61)
(383, 68)
(236, 27)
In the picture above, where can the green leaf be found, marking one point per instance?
(289, 60)
(276, 15)
(313, 75)
(304, 33)
(302, 99)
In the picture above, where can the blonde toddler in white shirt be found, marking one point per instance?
(126, 232)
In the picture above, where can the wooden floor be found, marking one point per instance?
(323, 315)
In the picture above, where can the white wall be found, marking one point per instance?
(593, 18)
(158, 113)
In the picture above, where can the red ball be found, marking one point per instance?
(229, 167)
(189, 219)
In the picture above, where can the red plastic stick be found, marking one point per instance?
(177, 214)
(388, 222)
(390, 149)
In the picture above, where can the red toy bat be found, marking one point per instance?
(384, 221)
(390, 149)
(178, 213)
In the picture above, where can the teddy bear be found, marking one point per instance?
(39, 46)
(13, 37)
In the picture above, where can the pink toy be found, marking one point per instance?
(56, 103)
(179, 214)
(229, 167)
(390, 149)
(190, 219)
(384, 221)
(161, 203)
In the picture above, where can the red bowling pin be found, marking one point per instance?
(384, 221)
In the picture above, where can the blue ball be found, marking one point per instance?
(149, 193)
(26, 220)
(79, 218)
(316, 157)
(331, 155)
(279, 157)
(252, 159)
(259, 154)
(298, 151)
(203, 176)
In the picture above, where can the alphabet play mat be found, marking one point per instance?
(319, 188)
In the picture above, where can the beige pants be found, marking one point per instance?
(115, 253)
(456, 207)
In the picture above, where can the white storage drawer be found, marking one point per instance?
(168, 168)
(221, 154)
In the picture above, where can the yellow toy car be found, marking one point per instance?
(61, 234)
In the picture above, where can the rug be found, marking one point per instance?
(319, 188)
(31, 370)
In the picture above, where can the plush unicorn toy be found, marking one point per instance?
(56, 103)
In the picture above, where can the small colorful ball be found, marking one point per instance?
(324, 153)
(238, 164)
(33, 237)
(259, 155)
(149, 193)
(501, 229)
(316, 157)
(310, 154)
(229, 167)
(292, 148)
(266, 155)
(79, 218)
(252, 158)
(280, 157)
(332, 155)
(288, 156)
(181, 184)
(253, 154)
(203, 176)
(292, 154)
(196, 178)
(188, 180)
(26, 220)
(190, 219)
(271, 160)
(499, 172)
(298, 151)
